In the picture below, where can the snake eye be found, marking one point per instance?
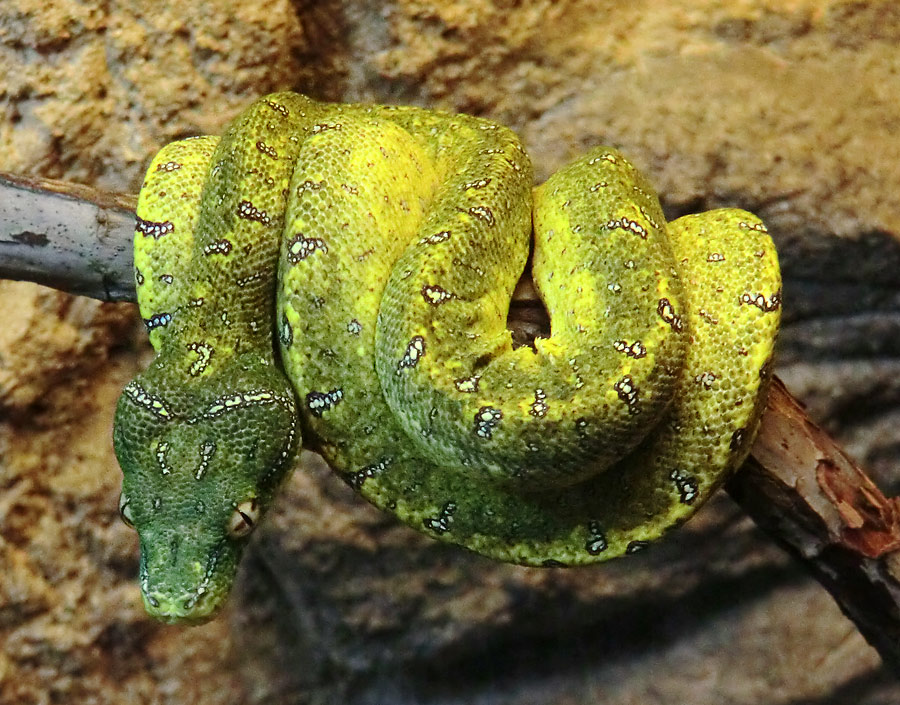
(243, 519)
(125, 510)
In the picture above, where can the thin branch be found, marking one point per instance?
(797, 484)
(67, 236)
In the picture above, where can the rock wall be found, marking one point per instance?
(784, 107)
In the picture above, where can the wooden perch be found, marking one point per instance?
(797, 484)
(67, 236)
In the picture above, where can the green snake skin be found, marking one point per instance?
(346, 270)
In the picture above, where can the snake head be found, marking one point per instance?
(201, 465)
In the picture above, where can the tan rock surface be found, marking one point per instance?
(786, 108)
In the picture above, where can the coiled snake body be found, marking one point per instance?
(381, 245)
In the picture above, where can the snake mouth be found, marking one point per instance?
(182, 602)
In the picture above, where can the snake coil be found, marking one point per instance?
(347, 270)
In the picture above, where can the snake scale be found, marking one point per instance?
(345, 271)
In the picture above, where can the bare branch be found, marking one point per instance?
(798, 484)
(66, 236)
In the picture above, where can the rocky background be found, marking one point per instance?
(785, 107)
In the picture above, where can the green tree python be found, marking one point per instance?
(345, 272)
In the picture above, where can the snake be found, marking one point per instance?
(338, 277)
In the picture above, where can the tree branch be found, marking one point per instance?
(67, 236)
(803, 489)
(797, 484)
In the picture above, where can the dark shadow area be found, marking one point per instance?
(841, 297)
(549, 634)
(507, 659)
